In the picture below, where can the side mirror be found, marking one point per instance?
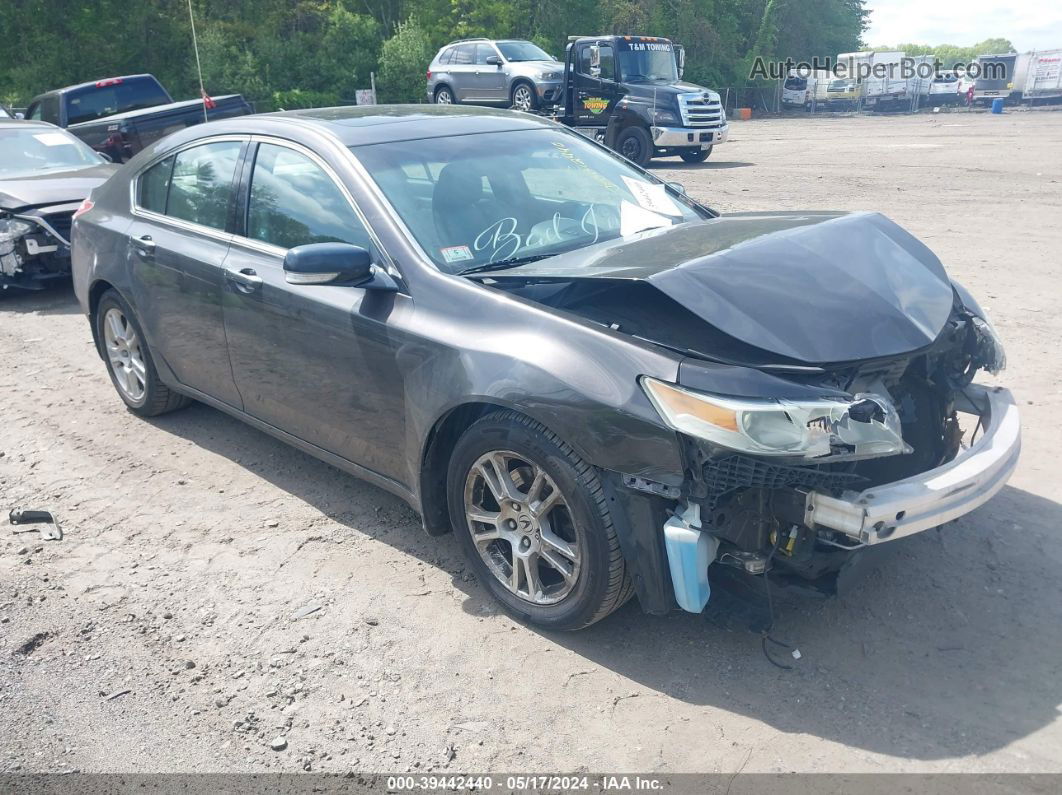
(681, 59)
(334, 263)
(595, 61)
(493, 60)
(106, 157)
(678, 187)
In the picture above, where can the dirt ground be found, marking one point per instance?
(217, 590)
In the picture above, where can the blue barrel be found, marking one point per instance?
(997, 105)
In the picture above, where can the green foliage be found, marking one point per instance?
(404, 60)
(284, 53)
(297, 98)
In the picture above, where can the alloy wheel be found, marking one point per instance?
(124, 354)
(522, 98)
(443, 97)
(523, 528)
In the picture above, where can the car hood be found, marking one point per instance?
(813, 287)
(662, 92)
(53, 187)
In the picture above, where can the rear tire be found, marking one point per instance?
(635, 144)
(695, 155)
(565, 591)
(444, 95)
(129, 362)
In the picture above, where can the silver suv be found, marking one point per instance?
(508, 72)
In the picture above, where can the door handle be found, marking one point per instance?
(144, 246)
(245, 277)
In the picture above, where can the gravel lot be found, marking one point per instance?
(166, 632)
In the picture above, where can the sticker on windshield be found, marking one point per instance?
(456, 253)
(634, 219)
(52, 139)
(652, 197)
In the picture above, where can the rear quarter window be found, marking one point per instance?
(154, 186)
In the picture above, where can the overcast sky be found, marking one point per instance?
(1029, 24)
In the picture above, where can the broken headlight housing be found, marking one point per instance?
(989, 347)
(867, 426)
(11, 229)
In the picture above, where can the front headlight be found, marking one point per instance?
(864, 427)
(666, 117)
(551, 76)
(989, 346)
(11, 229)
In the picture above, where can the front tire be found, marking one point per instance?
(129, 362)
(533, 520)
(635, 144)
(695, 155)
(523, 97)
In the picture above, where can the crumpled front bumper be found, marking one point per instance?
(909, 506)
(676, 137)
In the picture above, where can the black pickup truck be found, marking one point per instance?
(119, 116)
(628, 93)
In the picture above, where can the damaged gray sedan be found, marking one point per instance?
(45, 173)
(604, 388)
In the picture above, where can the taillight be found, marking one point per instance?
(429, 74)
(85, 206)
(113, 81)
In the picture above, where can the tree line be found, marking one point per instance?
(306, 53)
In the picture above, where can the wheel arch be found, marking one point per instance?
(435, 457)
(517, 81)
(96, 292)
(441, 439)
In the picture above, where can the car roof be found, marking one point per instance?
(25, 123)
(92, 83)
(372, 124)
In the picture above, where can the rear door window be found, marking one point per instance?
(201, 188)
(464, 54)
(294, 202)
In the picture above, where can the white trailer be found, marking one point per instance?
(1001, 76)
(1043, 78)
(879, 78)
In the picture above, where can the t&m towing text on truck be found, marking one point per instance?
(627, 92)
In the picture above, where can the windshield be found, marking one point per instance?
(647, 60)
(488, 198)
(522, 51)
(838, 85)
(30, 150)
(796, 83)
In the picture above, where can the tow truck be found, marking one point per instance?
(627, 92)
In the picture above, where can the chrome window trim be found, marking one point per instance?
(189, 226)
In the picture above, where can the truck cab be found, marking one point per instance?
(627, 92)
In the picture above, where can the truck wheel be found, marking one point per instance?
(635, 144)
(534, 522)
(129, 361)
(444, 96)
(695, 155)
(524, 97)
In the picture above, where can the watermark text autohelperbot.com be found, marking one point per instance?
(903, 68)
